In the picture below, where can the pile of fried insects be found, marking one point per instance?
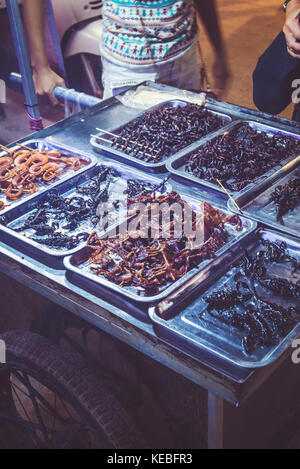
(149, 261)
(263, 322)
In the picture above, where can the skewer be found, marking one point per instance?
(108, 141)
(24, 146)
(231, 198)
(7, 150)
(123, 138)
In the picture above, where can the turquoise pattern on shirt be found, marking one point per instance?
(143, 33)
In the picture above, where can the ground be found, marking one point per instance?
(248, 27)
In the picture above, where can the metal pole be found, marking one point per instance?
(23, 58)
(63, 94)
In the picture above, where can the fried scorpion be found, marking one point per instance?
(69, 213)
(263, 322)
(286, 198)
(239, 157)
(163, 132)
(147, 262)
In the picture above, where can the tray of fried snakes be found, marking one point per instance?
(149, 140)
(33, 167)
(163, 244)
(58, 223)
(247, 307)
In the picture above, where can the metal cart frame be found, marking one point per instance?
(228, 387)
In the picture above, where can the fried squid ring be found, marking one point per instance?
(6, 161)
(36, 170)
(3, 205)
(53, 154)
(31, 188)
(50, 172)
(14, 193)
(36, 164)
(17, 180)
(21, 157)
(37, 159)
(4, 174)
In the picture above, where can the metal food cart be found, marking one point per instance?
(245, 406)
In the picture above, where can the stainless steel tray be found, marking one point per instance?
(179, 323)
(255, 203)
(44, 145)
(105, 148)
(17, 215)
(77, 265)
(176, 164)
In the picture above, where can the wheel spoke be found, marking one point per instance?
(33, 395)
(66, 409)
(45, 404)
(21, 404)
(54, 414)
(26, 423)
(42, 414)
(36, 408)
(71, 432)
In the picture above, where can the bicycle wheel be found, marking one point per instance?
(50, 400)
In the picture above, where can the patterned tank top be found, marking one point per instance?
(138, 32)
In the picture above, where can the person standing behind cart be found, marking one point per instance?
(277, 75)
(158, 40)
(142, 40)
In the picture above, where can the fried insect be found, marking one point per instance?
(263, 322)
(239, 157)
(283, 287)
(159, 133)
(286, 198)
(54, 222)
(147, 259)
(256, 267)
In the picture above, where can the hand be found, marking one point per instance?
(292, 28)
(45, 80)
(221, 75)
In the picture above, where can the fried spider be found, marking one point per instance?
(286, 198)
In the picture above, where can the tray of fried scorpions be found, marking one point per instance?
(149, 140)
(247, 307)
(240, 157)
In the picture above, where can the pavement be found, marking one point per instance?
(249, 27)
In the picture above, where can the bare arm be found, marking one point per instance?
(45, 79)
(292, 28)
(208, 14)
